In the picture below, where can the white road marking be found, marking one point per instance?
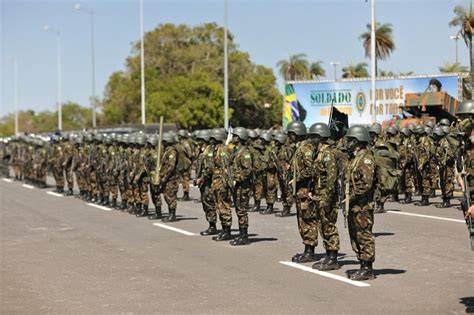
(164, 226)
(52, 193)
(28, 186)
(99, 207)
(325, 274)
(7, 180)
(427, 216)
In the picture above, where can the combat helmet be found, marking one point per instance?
(203, 135)
(419, 129)
(438, 130)
(430, 124)
(391, 131)
(375, 128)
(358, 132)
(253, 134)
(182, 133)
(297, 127)
(320, 129)
(281, 138)
(218, 134)
(444, 122)
(466, 108)
(267, 136)
(152, 139)
(241, 132)
(168, 138)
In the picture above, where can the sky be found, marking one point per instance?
(269, 30)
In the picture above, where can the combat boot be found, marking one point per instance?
(157, 214)
(268, 210)
(243, 238)
(137, 208)
(364, 273)
(211, 230)
(256, 207)
(395, 198)
(329, 262)
(432, 193)
(284, 213)
(123, 205)
(186, 196)
(379, 208)
(307, 256)
(143, 212)
(60, 189)
(224, 235)
(105, 201)
(171, 216)
(407, 199)
(424, 202)
(69, 192)
(113, 204)
(445, 204)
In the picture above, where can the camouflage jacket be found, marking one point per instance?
(361, 175)
(221, 162)
(423, 149)
(242, 164)
(443, 153)
(325, 173)
(301, 168)
(169, 162)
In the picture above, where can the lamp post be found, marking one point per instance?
(58, 43)
(456, 38)
(372, 59)
(226, 74)
(15, 82)
(142, 63)
(80, 8)
(335, 64)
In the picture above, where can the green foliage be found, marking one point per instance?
(384, 43)
(355, 71)
(455, 67)
(184, 81)
(316, 70)
(295, 68)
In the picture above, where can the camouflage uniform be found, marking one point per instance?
(444, 157)
(271, 176)
(242, 171)
(204, 174)
(169, 178)
(57, 165)
(283, 158)
(112, 171)
(220, 184)
(424, 149)
(185, 150)
(41, 165)
(68, 153)
(259, 165)
(407, 166)
(16, 159)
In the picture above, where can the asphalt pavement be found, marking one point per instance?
(62, 255)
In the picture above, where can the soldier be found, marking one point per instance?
(301, 171)
(423, 154)
(5, 157)
(204, 176)
(375, 131)
(57, 162)
(324, 195)
(41, 163)
(185, 150)
(154, 185)
(259, 165)
(360, 174)
(68, 152)
(434, 173)
(15, 152)
(407, 165)
(169, 176)
(465, 112)
(112, 169)
(270, 175)
(142, 178)
(444, 156)
(284, 154)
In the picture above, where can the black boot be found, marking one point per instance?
(268, 210)
(432, 193)
(69, 192)
(157, 215)
(307, 256)
(211, 230)
(407, 199)
(105, 201)
(395, 197)
(224, 235)
(113, 204)
(123, 205)
(243, 238)
(284, 213)
(445, 204)
(186, 196)
(137, 208)
(379, 208)
(256, 207)
(364, 273)
(143, 212)
(171, 216)
(329, 262)
(424, 201)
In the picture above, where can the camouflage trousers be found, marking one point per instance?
(143, 190)
(184, 177)
(41, 174)
(222, 199)
(425, 184)
(170, 192)
(446, 174)
(409, 178)
(327, 217)
(113, 186)
(122, 186)
(272, 186)
(435, 175)
(286, 192)
(58, 174)
(16, 170)
(307, 216)
(208, 201)
(155, 195)
(93, 182)
(242, 197)
(360, 221)
(258, 186)
(69, 177)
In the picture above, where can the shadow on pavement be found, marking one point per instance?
(262, 239)
(185, 219)
(389, 271)
(383, 234)
(469, 303)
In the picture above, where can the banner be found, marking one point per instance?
(311, 102)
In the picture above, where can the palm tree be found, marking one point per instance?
(296, 68)
(384, 44)
(355, 71)
(464, 18)
(452, 68)
(405, 73)
(316, 70)
(384, 73)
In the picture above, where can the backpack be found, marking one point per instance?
(184, 162)
(387, 175)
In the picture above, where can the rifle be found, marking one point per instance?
(346, 202)
(156, 179)
(281, 176)
(466, 205)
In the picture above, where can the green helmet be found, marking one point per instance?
(429, 131)
(391, 131)
(241, 132)
(419, 129)
(466, 108)
(182, 133)
(358, 132)
(411, 127)
(89, 137)
(152, 139)
(281, 137)
(98, 137)
(444, 122)
(218, 134)
(168, 138)
(267, 136)
(430, 124)
(253, 134)
(204, 134)
(446, 129)
(107, 139)
(376, 128)
(439, 131)
(320, 129)
(118, 137)
(141, 139)
(297, 127)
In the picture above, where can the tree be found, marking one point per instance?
(384, 73)
(316, 70)
(295, 68)
(384, 44)
(184, 81)
(452, 68)
(464, 19)
(355, 71)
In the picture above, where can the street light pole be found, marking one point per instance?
(226, 74)
(142, 63)
(79, 8)
(373, 58)
(58, 44)
(15, 82)
(335, 64)
(456, 38)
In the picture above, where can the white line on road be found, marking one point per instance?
(164, 226)
(52, 193)
(99, 207)
(325, 274)
(426, 216)
(7, 180)
(28, 186)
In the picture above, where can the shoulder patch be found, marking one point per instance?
(171, 156)
(368, 161)
(308, 153)
(327, 158)
(247, 156)
(210, 154)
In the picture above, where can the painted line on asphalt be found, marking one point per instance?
(52, 193)
(99, 207)
(325, 274)
(28, 186)
(164, 226)
(426, 216)
(7, 180)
